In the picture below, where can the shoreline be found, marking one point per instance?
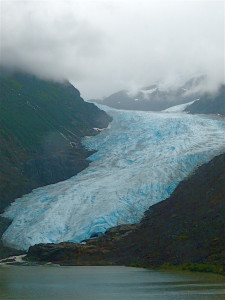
(188, 267)
(165, 238)
(181, 238)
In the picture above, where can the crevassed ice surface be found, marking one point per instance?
(141, 158)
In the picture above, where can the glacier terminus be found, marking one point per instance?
(139, 160)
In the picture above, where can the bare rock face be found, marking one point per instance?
(53, 252)
(94, 251)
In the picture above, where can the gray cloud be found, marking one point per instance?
(106, 45)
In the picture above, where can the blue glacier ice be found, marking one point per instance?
(140, 159)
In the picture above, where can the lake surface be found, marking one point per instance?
(53, 282)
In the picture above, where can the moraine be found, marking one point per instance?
(140, 159)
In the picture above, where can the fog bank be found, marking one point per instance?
(103, 46)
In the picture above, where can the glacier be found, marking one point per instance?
(139, 160)
(179, 108)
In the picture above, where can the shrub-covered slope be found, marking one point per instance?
(41, 125)
(188, 226)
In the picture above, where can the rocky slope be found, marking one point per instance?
(188, 227)
(41, 126)
(153, 98)
(209, 104)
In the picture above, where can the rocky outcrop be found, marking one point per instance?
(188, 227)
(95, 251)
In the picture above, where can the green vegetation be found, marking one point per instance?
(41, 126)
(135, 265)
(31, 107)
(195, 267)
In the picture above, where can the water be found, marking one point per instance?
(141, 158)
(102, 283)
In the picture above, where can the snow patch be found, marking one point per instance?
(179, 108)
(98, 129)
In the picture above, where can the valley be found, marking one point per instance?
(140, 160)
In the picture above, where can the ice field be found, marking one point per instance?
(140, 159)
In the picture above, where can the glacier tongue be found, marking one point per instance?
(141, 158)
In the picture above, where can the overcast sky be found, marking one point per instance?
(103, 46)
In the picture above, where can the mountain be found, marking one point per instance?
(209, 103)
(186, 229)
(140, 159)
(153, 98)
(41, 126)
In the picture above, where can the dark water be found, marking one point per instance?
(49, 282)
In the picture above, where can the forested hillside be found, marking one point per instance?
(41, 126)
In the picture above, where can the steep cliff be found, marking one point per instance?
(41, 126)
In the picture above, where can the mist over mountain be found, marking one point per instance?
(110, 45)
(63, 179)
(209, 103)
(41, 126)
(155, 97)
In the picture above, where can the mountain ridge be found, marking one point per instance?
(153, 97)
(41, 126)
(174, 242)
(209, 103)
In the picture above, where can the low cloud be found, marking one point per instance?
(103, 46)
